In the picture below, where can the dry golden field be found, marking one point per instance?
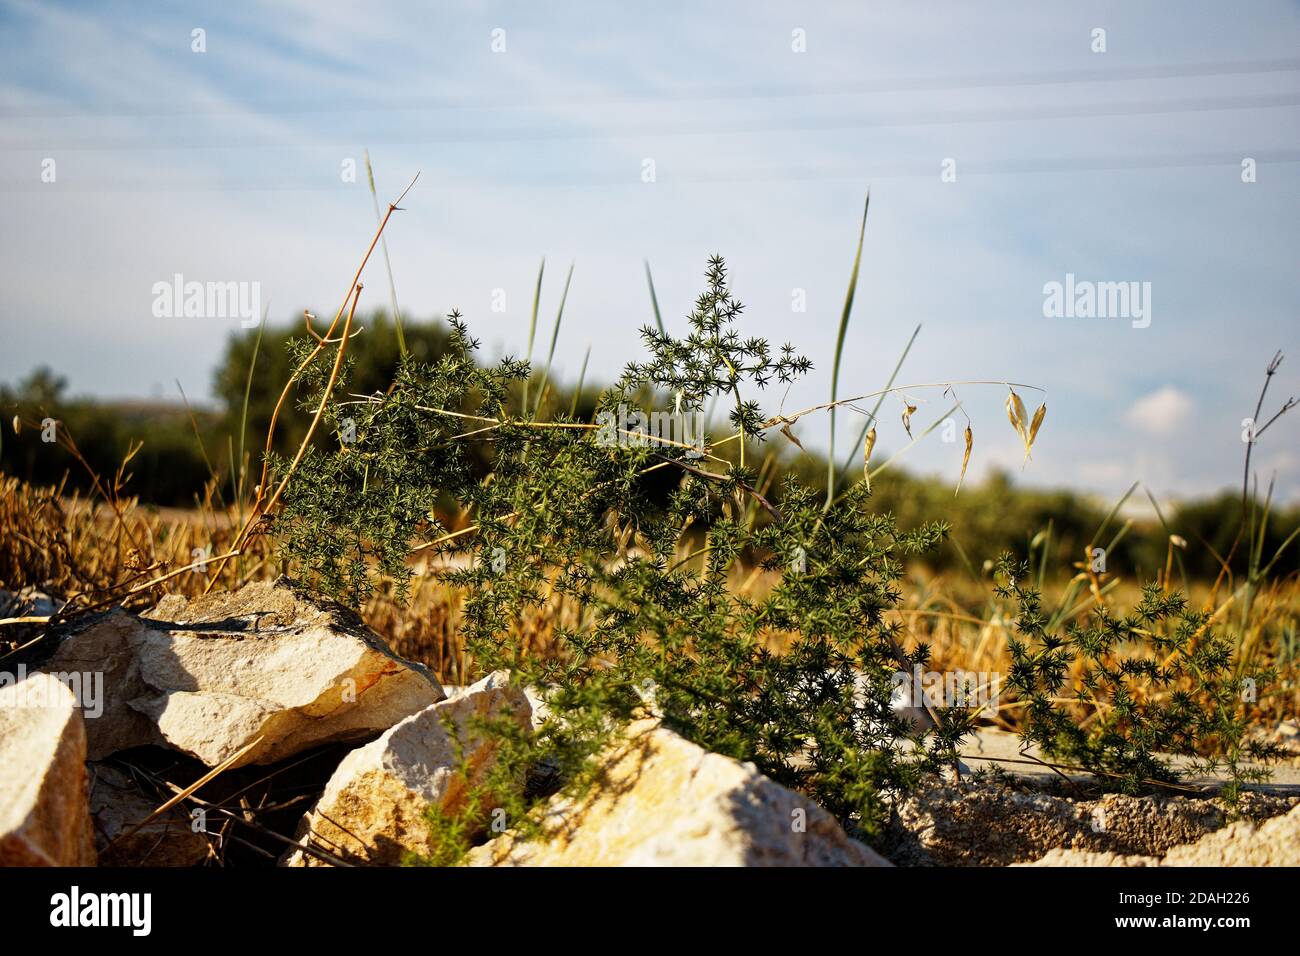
(115, 551)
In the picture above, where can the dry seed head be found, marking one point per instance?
(867, 446)
(907, 419)
(1028, 436)
(1016, 413)
(965, 458)
(785, 430)
(1038, 420)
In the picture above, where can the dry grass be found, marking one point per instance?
(100, 554)
(97, 555)
(114, 550)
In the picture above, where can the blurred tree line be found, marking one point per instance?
(183, 449)
(40, 418)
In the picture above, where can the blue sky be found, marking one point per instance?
(1123, 165)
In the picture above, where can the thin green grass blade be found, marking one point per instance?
(1062, 609)
(654, 299)
(555, 337)
(532, 326)
(388, 265)
(1160, 516)
(965, 559)
(243, 415)
(234, 469)
(1103, 591)
(1254, 557)
(198, 438)
(1111, 514)
(1119, 536)
(582, 377)
(1064, 604)
(1257, 552)
(1042, 558)
(862, 435)
(1278, 553)
(839, 349)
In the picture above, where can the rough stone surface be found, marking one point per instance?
(973, 825)
(373, 807)
(209, 676)
(44, 820)
(663, 801)
(118, 804)
(1274, 842)
(1063, 857)
(540, 711)
(109, 645)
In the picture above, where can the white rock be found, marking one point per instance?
(44, 819)
(663, 801)
(373, 808)
(1070, 857)
(212, 675)
(1274, 842)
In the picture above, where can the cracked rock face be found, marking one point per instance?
(973, 825)
(44, 817)
(1274, 842)
(270, 667)
(664, 801)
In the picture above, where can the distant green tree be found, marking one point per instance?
(374, 357)
(168, 469)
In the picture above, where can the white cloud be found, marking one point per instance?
(227, 165)
(1162, 412)
(1107, 472)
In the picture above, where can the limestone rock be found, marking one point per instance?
(664, 801)
(44, 820)
(1274, 842)
(106, 649)
(975, 824)
(210, 675)
(1062, 856)
(118, 805)
(373, 807)
(536, 700)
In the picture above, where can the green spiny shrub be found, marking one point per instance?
(799, 679)
(1158, 681)
(565, 515)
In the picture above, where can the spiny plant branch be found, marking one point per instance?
(1274, 364)
(354, 288)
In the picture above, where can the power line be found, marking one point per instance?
(522, 99)
(633, 129)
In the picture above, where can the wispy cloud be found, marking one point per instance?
(1115, 167)
(1163, 412)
